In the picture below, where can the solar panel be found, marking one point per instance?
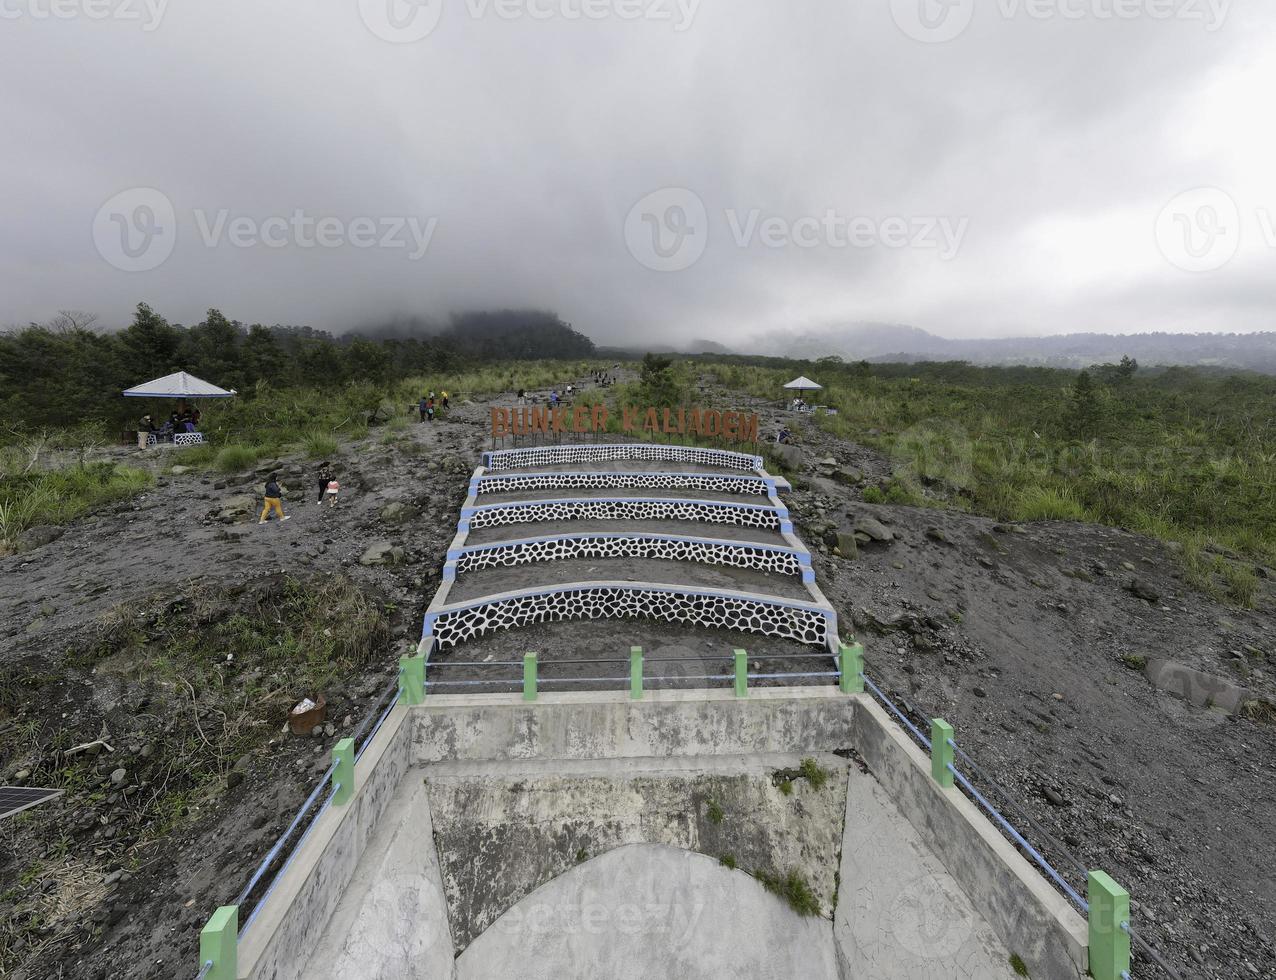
(15, 798)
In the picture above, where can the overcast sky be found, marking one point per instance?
(650, 169)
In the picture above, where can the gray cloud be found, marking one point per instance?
(527, 141)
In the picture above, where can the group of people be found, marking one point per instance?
(428, 406)
(327, 485)
(603, 379)
(186, 420)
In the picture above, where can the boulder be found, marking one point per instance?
(398, 512)
(238, 508)
(872, 528)
(849, 476)
(1195, 687)
(381, 553)
(180, 470)
(39, 536)
(790, 456)
(1143, 590)
(843, 543)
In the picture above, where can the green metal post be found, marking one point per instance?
(941, 753)
(343, 771)
(529, 677)
(411, 680)
(741, 674)
(1109, 911)
(851, 664)
(219, 944)
(635, 673)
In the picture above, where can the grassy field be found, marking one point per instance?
(1184, 456)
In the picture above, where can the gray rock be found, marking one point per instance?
(848, 475)
(789, 456)
(872, 527)
(237, 508)
(39, 536)
(381, 553)
(118, 776)
(1143, 590)
(844, 544)
(1195, 687)
(398, 512)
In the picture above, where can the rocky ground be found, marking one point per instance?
(1128, 714)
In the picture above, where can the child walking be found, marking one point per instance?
(274, 500)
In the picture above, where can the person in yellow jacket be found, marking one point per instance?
(274, 500)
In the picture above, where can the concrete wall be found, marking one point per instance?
(1032, 919)
(290, 921)
(608, 725)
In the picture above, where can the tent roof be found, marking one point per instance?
(179, 385)
(804, 384)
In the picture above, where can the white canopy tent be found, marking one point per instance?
(178, 385)
(803, 384)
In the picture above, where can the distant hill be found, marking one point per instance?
(883, 342)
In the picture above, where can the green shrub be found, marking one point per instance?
(874, 495)
(728, 860)
(1017, 964)
(235, 459)
(715, 812)
(815, 775)
(319, 444)
(793, 888)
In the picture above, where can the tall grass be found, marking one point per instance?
(319, 444)
(235, 459)
(58, 496)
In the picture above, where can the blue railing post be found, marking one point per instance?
(343, 771)
(941, 752)
(219, 944)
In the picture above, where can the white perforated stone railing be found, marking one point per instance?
(636, 479)
(507, 554)
(507, 459)
(805, 623)
(627, 509)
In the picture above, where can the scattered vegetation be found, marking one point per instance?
(791, 887)
(1017, 964)
(200, 683)
(727, 860)
(1185, 455)
(33, 497)
(715, 812)
(235, 459)
(319, 444)
(815, 775)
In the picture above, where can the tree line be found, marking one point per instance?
(68, 371)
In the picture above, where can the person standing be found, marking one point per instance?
(274, 500)
(429, 408)
(324, 477)
(445, 400)
(420, 407)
